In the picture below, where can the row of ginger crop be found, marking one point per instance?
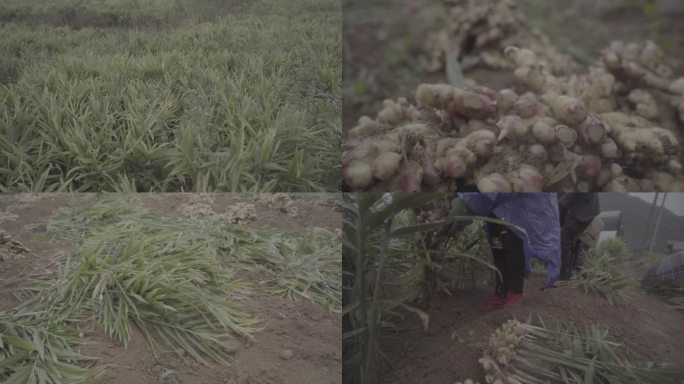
(599, 131)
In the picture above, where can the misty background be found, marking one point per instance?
(636, 207)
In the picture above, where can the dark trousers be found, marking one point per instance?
(570, 230)
(509, 259)
(581, 250)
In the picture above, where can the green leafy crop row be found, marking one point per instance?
(248, 100)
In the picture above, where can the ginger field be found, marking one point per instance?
(150, 95)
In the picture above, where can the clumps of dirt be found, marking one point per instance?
(7, 216)
(11, 249)
(30, 198)
(240, 213)
(334, 201)
(200, 205)
(166, 375)
(280, 202)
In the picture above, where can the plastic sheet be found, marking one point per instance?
(536, 213)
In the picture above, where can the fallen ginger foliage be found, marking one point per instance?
(174, 280)
(38, 347)
(521, 353)
(602, 273)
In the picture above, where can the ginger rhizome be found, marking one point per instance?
(613, 128)
(476, 32)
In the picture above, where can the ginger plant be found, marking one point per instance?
(522, 353)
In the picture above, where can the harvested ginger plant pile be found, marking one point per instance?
(10, 248)
(40, 347)
(173, 280)
(475, 32)
(200, 205)
(519, 353)
(7, 216)
(612, 128)
(239, 213)
(280, 202)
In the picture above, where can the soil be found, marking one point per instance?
(458, 330)
(299, 342)
(308, 213)
(15, 271)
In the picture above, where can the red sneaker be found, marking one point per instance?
(514, 298)
(493, 302)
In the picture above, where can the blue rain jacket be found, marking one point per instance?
(536, 213)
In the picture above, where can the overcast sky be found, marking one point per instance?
(674, 201)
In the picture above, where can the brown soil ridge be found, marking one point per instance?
(458, 331)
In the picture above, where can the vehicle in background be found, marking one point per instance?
(612, 225)
(667, 273)
(674, 246)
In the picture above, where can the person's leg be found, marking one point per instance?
(495, 231)
(515, 268)
(569, 231)
(567, 236)
(498, 298)
(501, 287)
(515, 264)
(581, 251)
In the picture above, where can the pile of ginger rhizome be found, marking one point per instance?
(612, 127)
